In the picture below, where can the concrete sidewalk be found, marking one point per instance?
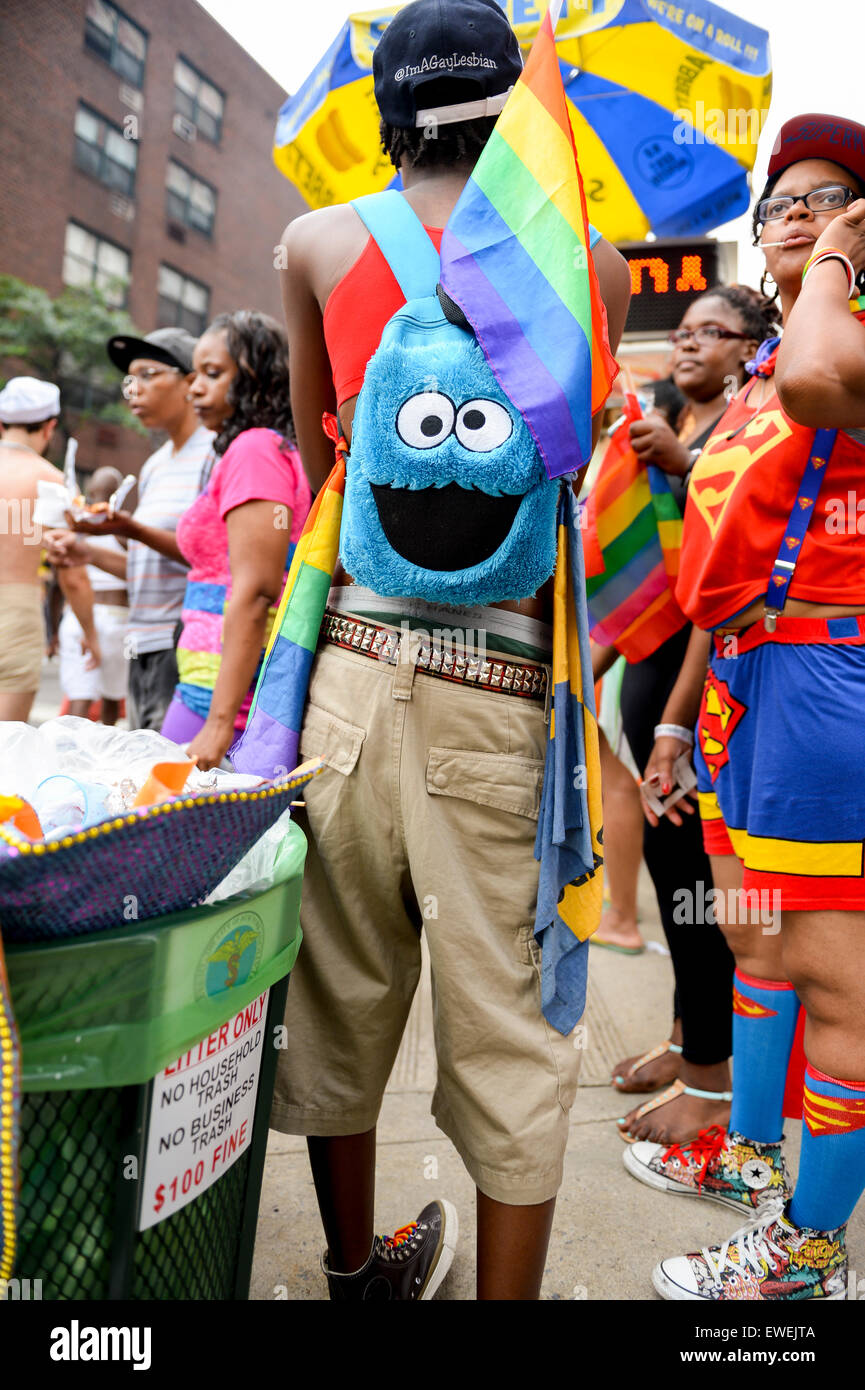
(609, 1229)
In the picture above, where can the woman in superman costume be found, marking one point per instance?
(773, 577)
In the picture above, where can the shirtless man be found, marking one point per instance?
(516, 1166)
(29, 409)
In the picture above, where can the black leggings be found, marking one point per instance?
(702, 961)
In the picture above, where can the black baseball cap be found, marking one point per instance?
(173, 346)
(468, 40)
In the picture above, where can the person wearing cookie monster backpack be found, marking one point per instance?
(432, 679)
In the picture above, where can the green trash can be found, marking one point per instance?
(148, 1060)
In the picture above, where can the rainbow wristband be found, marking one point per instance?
(830, 253)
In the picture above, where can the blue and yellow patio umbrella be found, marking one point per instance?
(667, 102)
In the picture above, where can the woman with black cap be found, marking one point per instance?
(773, 572)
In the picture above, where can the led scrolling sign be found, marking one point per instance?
(665, 278)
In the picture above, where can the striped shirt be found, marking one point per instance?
(169, 484)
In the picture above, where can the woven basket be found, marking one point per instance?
(144, 864)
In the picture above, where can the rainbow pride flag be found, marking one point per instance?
(633, 536)
(268, 745)
(515, 258)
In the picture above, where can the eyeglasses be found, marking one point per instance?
(826, 199)
(131, 383)
(705, 333)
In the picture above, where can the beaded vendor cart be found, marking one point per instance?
(147, 1027)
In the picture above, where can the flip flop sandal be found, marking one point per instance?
(643, 1061)
(678, 1088)
(613, 946)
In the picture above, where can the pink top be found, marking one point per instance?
(255, 467)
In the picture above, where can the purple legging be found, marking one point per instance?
(180, 724)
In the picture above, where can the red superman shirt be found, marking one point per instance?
(742, 491)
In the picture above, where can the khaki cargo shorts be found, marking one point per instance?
(22, 637)
(425, 819)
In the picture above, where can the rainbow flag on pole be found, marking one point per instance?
(633, 535)
(268, 745)
(515, 258)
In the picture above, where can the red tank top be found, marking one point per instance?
(356, 312)
(742, 491)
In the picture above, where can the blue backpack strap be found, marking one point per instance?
(794, 533)
(403, 241)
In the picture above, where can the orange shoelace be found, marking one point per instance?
(400, 1237)
(707, 1145)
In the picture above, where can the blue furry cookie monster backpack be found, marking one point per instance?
(446, 496)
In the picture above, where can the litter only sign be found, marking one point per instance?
(201, 1114)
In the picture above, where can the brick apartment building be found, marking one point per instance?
(136, 145)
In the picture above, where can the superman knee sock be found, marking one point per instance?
(832, 1165)
(764, 1024)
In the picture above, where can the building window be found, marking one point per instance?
(108, 33)
(198, 100)
(90, 260)
(182, 302)
(101, 150)
(189, 200)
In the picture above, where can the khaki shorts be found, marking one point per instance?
(22, 637)
(425, 818)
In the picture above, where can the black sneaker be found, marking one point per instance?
(410, 1264)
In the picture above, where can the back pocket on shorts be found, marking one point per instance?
(334, 740)
(505, 781)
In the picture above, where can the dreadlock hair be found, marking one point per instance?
(757, 226)
(437, 143)
(758, 312)
(259, 394)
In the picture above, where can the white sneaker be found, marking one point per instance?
(723, 1167)
(770, 1259)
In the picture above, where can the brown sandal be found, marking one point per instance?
(678, 1088)
(643, 1061)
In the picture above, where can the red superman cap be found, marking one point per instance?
(820, 137)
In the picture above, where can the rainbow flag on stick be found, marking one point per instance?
(633, 535)
(515, 258)
(268, 745)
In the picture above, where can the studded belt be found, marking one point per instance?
(449, 661)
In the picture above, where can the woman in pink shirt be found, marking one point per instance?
(239, 536)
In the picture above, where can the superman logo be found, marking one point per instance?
(750, 1008)
(724, 462)
(832, 1114)
(720, 712)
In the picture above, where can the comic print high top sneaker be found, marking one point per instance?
(770, 1259)
(409, 1265)
(723, 1167)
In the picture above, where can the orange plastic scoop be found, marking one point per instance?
(22, 816)
(165, 781)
